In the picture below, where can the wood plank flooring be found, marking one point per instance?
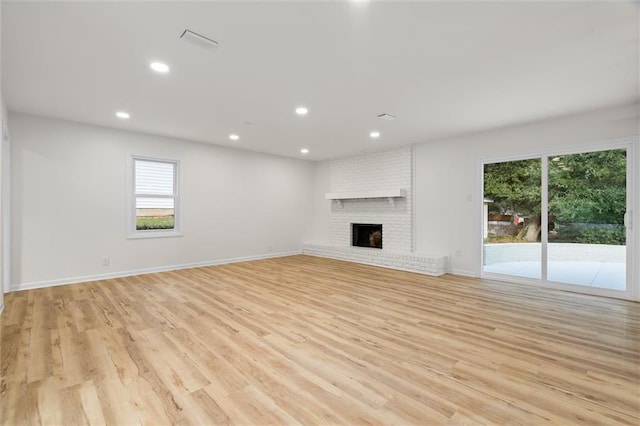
(305, 340)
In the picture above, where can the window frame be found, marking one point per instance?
(132, 232)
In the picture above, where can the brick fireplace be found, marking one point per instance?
(375, 189)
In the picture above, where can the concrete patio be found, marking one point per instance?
(593, 265)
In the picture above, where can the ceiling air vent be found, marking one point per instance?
(198, 39)
(386, 116)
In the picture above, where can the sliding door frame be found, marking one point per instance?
(629, 144)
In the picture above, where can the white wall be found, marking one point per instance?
(4, 197)
(321, 206)
(69, 195)
(69, 192)
(3, 121)
(448, 175)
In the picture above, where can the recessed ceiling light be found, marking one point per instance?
(123, 115)
(159, 67)
(374, 134)
(302, 110)
(234, 137)
(304, 151)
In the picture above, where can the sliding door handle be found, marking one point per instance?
(628, 219)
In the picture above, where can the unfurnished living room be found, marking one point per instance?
(320, 212)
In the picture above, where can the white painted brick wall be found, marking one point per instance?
(377, 171)
(371, 172)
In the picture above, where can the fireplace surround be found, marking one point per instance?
(374, 189)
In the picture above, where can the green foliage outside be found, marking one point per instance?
(588, 188)
(584, 190)
(514, 186)
(158, 222)
(586, 234)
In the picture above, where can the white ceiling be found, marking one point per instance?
(442, 68)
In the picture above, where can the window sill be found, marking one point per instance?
(153, 234)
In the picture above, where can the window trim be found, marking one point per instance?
(132, 232)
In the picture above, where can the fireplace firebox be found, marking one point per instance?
(366, 235)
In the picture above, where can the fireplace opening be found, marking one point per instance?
(366, 235)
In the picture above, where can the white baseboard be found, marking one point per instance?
(464, 273)
(122, 274)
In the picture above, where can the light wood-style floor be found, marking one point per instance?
(316, 341)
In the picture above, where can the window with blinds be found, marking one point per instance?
(155, 194)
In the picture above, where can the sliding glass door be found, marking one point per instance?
(512, 203)
(558, 219)
(587, 203)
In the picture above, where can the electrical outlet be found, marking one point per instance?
(270, 249)
(106, 261)
(458, 252)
